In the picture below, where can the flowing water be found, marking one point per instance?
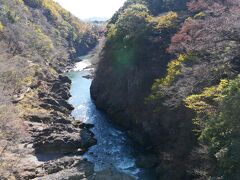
(113, 149)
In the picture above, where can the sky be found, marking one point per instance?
(85, 9)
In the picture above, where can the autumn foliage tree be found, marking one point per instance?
(210, 37)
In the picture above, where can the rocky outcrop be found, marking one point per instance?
(110, 174)
(62, 168)
(57, 133)
(74, 168)
(39, 40)
(62, 139)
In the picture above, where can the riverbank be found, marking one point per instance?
(35, 117)
(56, 140)
(54, 137)
(78, 91)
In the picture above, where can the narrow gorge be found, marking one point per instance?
(114, 151)
(151, 93)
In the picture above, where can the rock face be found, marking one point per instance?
(57, 133)
(60, 134)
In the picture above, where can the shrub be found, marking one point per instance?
(160, 86)
(1, 27)
(48, 5)
(166, 21)
(173, 70)
(131, 24)
(217, 110)
(200, 15)
(41, 42)
(222, 135)
(19, 1)
(206, 103)
(12, 16)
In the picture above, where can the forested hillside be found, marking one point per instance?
(170, 70)
(38, 40)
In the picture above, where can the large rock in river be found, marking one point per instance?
(63, 139)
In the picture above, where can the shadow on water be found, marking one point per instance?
(113, 148)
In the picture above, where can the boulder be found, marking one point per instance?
(61, 164)
(65, 104)
(88, 76)
(62, 120)
(111, 174)
(51, 101)
(82, 125)
(57, 85)
(63, 139)
(54, 107)
(65, 79)
(64, 94)
(39, 118)
(65, 169)
(17, 98)
(87, 139)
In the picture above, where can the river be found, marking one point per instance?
(114, 148)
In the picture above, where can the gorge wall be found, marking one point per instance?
(169, 70)
(39, 40)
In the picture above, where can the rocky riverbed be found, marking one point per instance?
(57, 140)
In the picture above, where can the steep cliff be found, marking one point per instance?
(133, 57)
(168, 71)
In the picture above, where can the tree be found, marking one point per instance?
(131, 24)
(219, 127)
(213, 42)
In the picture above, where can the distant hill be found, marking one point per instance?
(100, 19)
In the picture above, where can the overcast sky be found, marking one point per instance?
(85, 9)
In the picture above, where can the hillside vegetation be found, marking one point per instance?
(170, 70)
(38, 39)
